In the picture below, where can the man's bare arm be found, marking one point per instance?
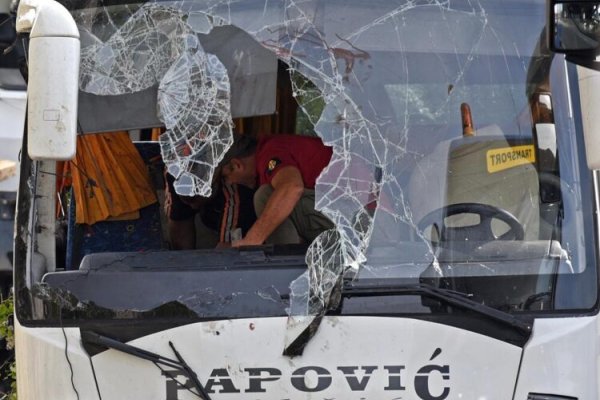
(287, 190)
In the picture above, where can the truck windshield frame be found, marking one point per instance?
(458, 162)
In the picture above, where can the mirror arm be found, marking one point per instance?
(584, 61)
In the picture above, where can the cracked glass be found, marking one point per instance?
(447, 121)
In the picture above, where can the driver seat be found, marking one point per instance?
(479, 169)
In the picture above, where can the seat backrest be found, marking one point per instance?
(139, 234)
(491, 169)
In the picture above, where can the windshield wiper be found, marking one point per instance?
(448, 296)
(178, 365)
(451, 297)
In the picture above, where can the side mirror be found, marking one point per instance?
(53, 79)
(574, 27)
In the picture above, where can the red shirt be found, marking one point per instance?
(306, 153)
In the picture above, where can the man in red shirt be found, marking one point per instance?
(285, 168)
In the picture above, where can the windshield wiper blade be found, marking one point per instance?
(178, 365)
(448, 296)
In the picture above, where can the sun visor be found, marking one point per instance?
(252, 71)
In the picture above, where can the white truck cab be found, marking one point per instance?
(462, 186)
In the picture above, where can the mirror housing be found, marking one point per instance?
(53, 82)
(573, 28)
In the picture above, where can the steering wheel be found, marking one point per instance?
(481, 232)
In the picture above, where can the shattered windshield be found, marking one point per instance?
(455, 150)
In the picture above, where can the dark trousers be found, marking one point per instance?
(304, 223)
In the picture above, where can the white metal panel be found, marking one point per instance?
(43, 368)
(479, 367)
(562, 358)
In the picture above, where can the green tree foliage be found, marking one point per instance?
(310, 100)
(8, 372)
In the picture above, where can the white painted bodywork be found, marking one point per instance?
(480, 367)
(475, 370)
(42, 366)
(562, 358)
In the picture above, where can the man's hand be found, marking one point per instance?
(243, 242)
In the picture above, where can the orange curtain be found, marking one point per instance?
(110, 179)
